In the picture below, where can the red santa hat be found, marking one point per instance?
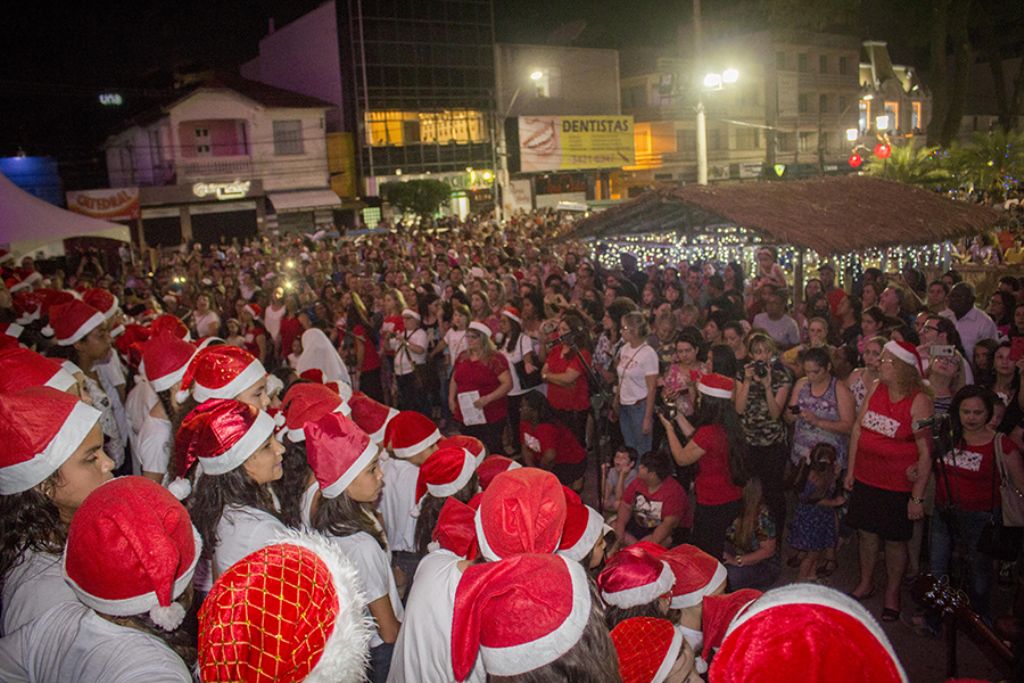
(12, 330)
(371, 416)
(102, 300)
(253, 309)
(222, 433)
(6, 255)
(480, 327)
(21, 368)
(905, 352)
(28, 306)
(715, 385)
(15, 284)
(288, 613)
(337, 451)
(409, 313)
(512, 313)
(647, 647)
(805, 628)
(315, 375)
(632, 579)
(445, 472)
(470, 443)
(132, 550)
(519, 614)
(455, 530)
(522, 511)
(220, 372)
(72, 321)
(164, 360)
(492, 466)
(583, 527)
(306, 403)
(171, 324)
(40, 428)
(697, 574)
(718, 612)
(410, 433)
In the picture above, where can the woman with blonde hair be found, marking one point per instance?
(637, 368)
(478, 388)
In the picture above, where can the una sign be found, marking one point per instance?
(222, 191)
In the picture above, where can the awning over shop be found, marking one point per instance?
(304, 200)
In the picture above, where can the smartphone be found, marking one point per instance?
(1016, 349)
(940, 350)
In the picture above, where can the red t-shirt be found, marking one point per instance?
(650, 509)
(886, 447)
(576, 397)
(540, 438)
(392, 324)
(714, 479)
(291, 328)
(482, 376)
(371, 359)
(973, 476)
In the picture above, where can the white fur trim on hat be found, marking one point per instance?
(62, 380)
(694, 598)
(586, 543)
(415, 448)
(642, 595)
(512, 316)
(24, 475)
(670, 656)
(94, 321)
(408, 312)
(259, 432)
(451, 488)
(169, 380)
(14, 330)
(378, 436)
(481, 328)
(904, 355)
(353, 471)
(518, 659)
(253, 373)
(714, 392)
(138, 604)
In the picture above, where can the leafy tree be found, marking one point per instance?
(420, 197)
(992, 162)
(911, 165)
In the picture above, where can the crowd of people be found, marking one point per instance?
(475, 454)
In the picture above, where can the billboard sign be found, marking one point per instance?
(562, 143)
(119, 203)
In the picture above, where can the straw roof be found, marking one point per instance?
(830, 215)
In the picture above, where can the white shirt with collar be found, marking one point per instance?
(973, 327)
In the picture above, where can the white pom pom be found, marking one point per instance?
(180, 488)
(168, 618)
(47, 331)
(181, 395)
(700, 665)
(280, 420)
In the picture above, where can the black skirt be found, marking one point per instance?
(881, 512)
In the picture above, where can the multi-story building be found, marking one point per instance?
(226, 158)
(892, 101)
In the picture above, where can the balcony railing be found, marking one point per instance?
(215, 168)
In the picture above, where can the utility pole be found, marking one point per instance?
(702, 132)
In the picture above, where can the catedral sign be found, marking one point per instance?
(238, 189)
(562, 143)
(119, 203)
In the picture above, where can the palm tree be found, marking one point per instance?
(993, 162)
(911, 165)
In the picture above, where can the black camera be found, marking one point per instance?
(760, 368)
(668, 410)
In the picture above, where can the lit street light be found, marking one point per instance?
(852, 134)
(730, 76)
(712, 81)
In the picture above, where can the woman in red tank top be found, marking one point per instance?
(888, 470)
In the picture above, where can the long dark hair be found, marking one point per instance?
(180, 640)
(292, 484)
(512, 341)
(342, 516)
(430, 510)
(987, 397)
(29, 521)
(213, 493)
(720, 411)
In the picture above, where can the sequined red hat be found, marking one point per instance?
(21, 368)
(220, 372)
(71, 321)
(717, 613)
(808, 629)
(522, 511)
(371, 416)
(132, 550)
(647, 647)
(492, 466)
(337, 451)
(470, 443)
(633, 579)
(455, 530)
(288, 613)
(697, 574)
(445, 472)
(410, 433)
(40, 428)
(102, 300)
(308, 402)
(171, 324)
(222, 433)
(519, 614)
(164, 360)
(583, 527)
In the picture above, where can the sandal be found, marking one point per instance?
(890, 615)
(826, 569)
(861, 598)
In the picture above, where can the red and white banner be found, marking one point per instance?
(119, 203)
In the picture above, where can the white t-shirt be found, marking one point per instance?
(398, 502)
(373, 565)
(139, 402)
(72, 644)
(423, 650)
(206, 324)
(455, 343)
(406, 358)
(272, 321)
(306, 505)
(33, 586)
(155, 445)
(240, 531)
(635, 365)
(523, 346)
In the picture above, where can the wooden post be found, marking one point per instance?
(798, 277)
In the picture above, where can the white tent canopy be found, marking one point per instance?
(29, 224)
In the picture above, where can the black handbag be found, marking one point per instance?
(998, 541)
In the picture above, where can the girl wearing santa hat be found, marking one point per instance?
(53, 458)
(345, 462)
(447, 473)
(131, 597)
(233, 505)
(164, 361)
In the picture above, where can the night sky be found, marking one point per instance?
(60, 56)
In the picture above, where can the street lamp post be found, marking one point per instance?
(501, 180)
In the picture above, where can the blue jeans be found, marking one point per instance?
(968, 528)
(631, 422)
